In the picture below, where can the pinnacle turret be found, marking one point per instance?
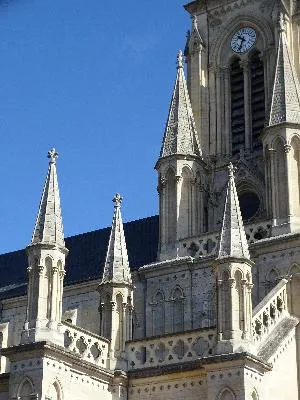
(233, 242)
(116, 267)
(180, 134)
(48, 227)
(285, 106)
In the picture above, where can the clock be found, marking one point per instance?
(243, 40)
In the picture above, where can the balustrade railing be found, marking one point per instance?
(269, 312)
(170, 349)
(207, 244)
(89, 346)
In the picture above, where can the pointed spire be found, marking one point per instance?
(116, 267)
(233, 242)
(180, 134)
(285, 106)
(48, 227)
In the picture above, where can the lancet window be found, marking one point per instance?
(247, 85)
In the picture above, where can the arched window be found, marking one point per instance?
(295, 175)
(257, 98)
(239, 301)
(226, 304)
(247, 87)
(254, 395)
(185, 205)
(178, 310)
(280, 180)
(226, 394)
(53, 392)
(171, 206)
(119, 328)
(158, 312)
(26, 390)
(271, 280)
(237, 106)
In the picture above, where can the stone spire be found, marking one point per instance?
(116, 267)
(285, 106)
(233, 242)
(48, 227)
(180, 134)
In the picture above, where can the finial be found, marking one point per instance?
(231, 170)
(194, 21)
(180, 59)
(52, 154)
(117, 200)
(281, 23)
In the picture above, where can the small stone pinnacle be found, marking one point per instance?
(52, 154)
(118, 200)
(231, 170)
(281, 23)
(180, 59)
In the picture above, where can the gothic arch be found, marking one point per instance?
(265, 37)
(226, 394)
(119, 328)
(170, 205)
(254, 395)
(239, 300)
(251, 198)
(271, 280)
(54, 391)
(185, 204)
(26, 389)
(295, 174)
(294, 269)
(177, 298)
(158, 313)
(225, 301)
(279, 166)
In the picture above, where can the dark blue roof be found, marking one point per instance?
(86, 256)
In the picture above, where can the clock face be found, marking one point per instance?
(243, 40)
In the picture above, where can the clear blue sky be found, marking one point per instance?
(94, 79)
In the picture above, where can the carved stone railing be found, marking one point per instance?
(269, 312)
(207, 244)
(170, 349)
(89, 346)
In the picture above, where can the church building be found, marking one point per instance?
(201, 302)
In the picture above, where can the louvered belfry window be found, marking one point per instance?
(257, 99)
(237, 106)
(254, 93)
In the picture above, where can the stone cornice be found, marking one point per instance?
(205, 363)
(55, 352)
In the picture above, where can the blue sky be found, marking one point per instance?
(93, 79)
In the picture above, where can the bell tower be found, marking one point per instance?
(232, 55)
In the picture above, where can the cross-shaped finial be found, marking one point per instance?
(118, 200)
(52, 154)
(231, 170)
(180, 59)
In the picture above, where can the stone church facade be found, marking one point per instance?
(202, 302)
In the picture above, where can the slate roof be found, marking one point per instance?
(86, 257)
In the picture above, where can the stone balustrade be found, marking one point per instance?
(89, 346)
(269, 312)
(207, 244)
(170, 349)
